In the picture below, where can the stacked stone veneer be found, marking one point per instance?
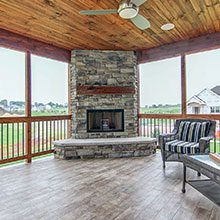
(103, 68)
(137, 147)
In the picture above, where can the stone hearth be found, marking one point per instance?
(104, 148)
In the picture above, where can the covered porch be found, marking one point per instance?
(102, 59)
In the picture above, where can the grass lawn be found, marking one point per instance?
(162, 110)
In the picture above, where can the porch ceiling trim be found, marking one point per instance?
(25, 44)
(198, 44)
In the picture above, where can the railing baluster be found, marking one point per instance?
(18, 140)
(42, 135)
(34, 136)
(38, 135)
(150, 127)
(65, 129)
(170, 125)
(7, 140)
(23, 140)
(54, 130)
(50, 134)
(58, 132)
(13, 139)
(46, 135)
(2, 141)
(61, 133)
(144, 128)
(154, 132)
(218, 129)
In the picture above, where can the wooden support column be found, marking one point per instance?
(183, 84)
(69, 100)
(138, 96)
(28, 105)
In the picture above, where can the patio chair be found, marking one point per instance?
(189, 136)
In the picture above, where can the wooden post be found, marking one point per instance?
(69, 100)
(183, 84)
(138, 98)
(28, 105)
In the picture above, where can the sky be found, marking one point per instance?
(160, 80)
(49, 78)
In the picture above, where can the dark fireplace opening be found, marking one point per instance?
(105, 120)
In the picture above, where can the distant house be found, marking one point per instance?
(205, 102)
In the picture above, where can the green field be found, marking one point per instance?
(162, 110)
(58, 111)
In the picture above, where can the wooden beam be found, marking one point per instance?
(199, 44)
(99, 90)
(42, 153)
(28, 105)
(10, 160)
(183, 84)
(22, 43)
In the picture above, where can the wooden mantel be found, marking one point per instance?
(100, 90)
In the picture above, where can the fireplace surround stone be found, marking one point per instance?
(109, 73)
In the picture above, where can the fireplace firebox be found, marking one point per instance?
(105, 120)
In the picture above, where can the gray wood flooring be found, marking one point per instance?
(127, 188)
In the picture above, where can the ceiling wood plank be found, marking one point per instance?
(59, 23)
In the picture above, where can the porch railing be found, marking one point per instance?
(17, 144)
(151, 125)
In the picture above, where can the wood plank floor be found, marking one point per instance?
(128, 188)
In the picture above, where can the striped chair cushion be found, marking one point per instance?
(183, 147)
(193, 131)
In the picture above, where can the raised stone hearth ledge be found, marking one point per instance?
(104, 148)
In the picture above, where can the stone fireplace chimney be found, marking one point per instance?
(104, 80)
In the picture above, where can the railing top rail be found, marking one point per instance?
(6, 120)
(180, 116)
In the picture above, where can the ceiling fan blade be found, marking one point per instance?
(99, 12)
(138, 2)
(141, 22)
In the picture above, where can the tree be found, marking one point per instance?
(4, 102)
(51, 104)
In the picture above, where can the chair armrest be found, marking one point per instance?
(163, 138)
(204, 144)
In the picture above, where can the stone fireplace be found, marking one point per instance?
(104, 83)
(104, 108)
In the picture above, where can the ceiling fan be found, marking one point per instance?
(127, 10)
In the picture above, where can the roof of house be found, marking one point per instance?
(216, 90)
(196, 99)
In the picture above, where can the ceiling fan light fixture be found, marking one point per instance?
(128, 10)
(167, 26)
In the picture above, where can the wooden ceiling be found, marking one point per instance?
(59, 23)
